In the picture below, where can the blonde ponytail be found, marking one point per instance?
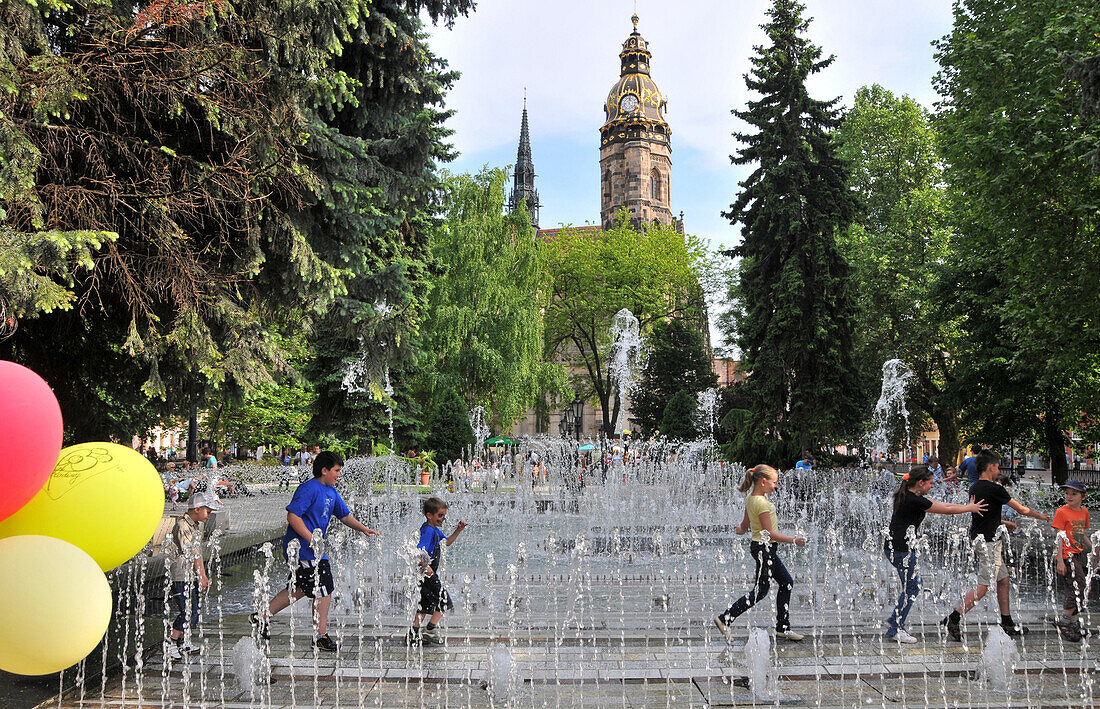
(758, 473)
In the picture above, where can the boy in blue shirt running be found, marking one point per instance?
(314, 504)
(432, 596)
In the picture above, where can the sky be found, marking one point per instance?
(565, 55)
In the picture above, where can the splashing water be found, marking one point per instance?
(357, 374)
(480, 427)
(248, 664)
(758, 655)
(999, 660)
(891, 404)
(626, 349)
(388, 388)
(501, 675)
(707, 412)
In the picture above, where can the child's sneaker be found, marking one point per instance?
(1015, 630)
(1069, 629)
(172, 651)
(413, 636)
(260, 625)
(790, 635)
(722, 627)
(904, 637)
(326, 643)
(432, 636)
(952, 627)
(189, 648)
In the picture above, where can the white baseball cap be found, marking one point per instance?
(205, 499)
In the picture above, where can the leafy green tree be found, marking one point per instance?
(897, 252)
(678, 417)
(677, 360)
(272, 414)
(482, 332)
(593, 275)
(1025, 200)
(793, 313)
(449, 433)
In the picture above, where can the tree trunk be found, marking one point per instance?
(948, 424)
(605, 409)
(1055, 443)
(193, 435)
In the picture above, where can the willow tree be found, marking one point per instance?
(482, 333)
(794, 312)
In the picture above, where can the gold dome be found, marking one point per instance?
(634, 106)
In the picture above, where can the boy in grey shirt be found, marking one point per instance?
(187, 572)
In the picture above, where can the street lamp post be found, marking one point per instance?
(576, 410)
(565, 425)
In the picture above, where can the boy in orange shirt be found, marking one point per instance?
(1072, 519)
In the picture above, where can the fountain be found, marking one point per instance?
(626, 350)
(601, 593)
(480, 426)
(890, 405)
(758, 653)
(999, 660)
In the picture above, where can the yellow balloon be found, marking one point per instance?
(55, 605)
(105, 498)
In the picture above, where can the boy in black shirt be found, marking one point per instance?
(991, 566)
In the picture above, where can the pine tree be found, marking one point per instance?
(449, 431)
(238, 165)
(678, 417)
(377, 149)
(794, 306)
(677, 361)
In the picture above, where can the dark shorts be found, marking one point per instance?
(433, 597)
(313, 578)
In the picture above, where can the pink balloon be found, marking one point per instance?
(30, 435)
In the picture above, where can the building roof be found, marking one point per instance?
(548, 234)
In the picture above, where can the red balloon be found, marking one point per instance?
(30, 435)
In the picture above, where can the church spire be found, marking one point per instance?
(523, 180)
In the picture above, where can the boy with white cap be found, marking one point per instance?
(187, 572)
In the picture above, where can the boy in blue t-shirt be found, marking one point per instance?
(314, 504)
(432, 595)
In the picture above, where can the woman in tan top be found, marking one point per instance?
(760, 517)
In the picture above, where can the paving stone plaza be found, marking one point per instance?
(555, 607)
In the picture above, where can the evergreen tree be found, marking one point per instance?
(794, 308)
(377, 148)
(237, 164)
(677, 361)
(678, 417)
(449, 431)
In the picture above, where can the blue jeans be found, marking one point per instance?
(184, 605)
(768, 566)
(906, 564)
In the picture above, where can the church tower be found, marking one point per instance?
(523, 179)
(635, 153)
